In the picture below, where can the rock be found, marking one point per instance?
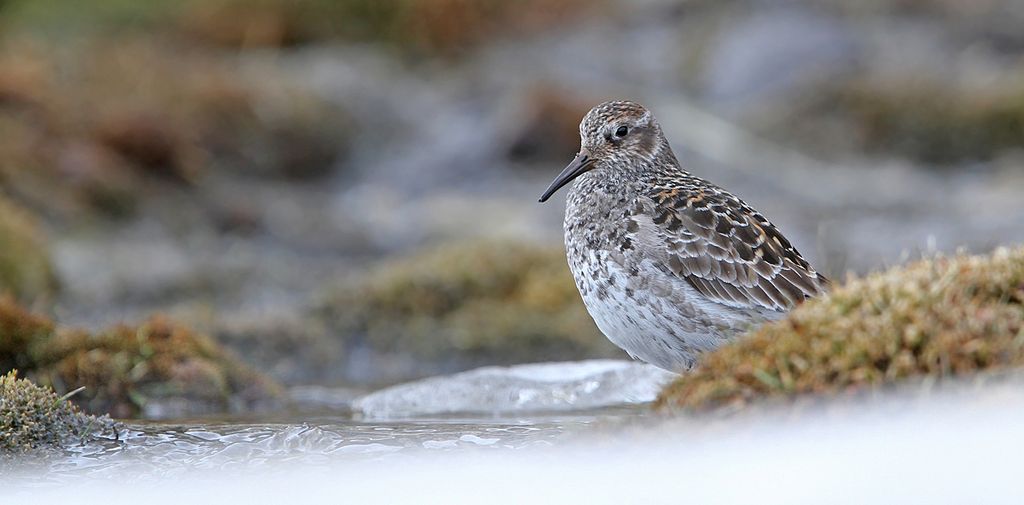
(540, 387)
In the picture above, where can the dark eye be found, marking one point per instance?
(622, 131)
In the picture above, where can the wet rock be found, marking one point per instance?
(934, 320)
(34, 417)
(540, 387)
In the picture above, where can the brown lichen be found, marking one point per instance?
(938, 318)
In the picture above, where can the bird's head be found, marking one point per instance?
(613, 134)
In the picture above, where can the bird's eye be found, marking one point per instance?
(622, 131)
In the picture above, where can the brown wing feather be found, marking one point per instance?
(729, 252)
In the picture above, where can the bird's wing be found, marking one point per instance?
(726, 250)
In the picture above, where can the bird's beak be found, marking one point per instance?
(580, 164)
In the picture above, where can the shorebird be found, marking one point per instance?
(669, 265)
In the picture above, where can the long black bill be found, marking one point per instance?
(580, 164)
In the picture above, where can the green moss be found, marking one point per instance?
(34, 417)
(25, 269)
(493, 302)
(935, 319)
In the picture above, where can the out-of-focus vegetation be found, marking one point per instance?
(485, 302)
(25, 269)
(34, 417)
(98, 126)
(927, 122)
(127, 369)
(935, 319)
(414, 27)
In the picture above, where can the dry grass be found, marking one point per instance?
(939, 318)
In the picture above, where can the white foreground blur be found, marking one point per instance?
(960, 447)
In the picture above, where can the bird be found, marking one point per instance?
(669, 265)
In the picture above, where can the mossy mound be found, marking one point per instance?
(936, 319)
(25, 269)
(157, 368)
(481, 302)
(128, 369)
(34, 417)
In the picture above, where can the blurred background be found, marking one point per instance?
(344, 192)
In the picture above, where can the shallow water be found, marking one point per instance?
(154, 451)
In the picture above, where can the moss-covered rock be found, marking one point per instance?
(34, 417)
(130, 370)
(154, 369)
(25, 269)
(937, 319)
(469, 303)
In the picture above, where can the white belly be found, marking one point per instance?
(654, 317)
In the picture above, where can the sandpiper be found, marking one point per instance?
(668, 264)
